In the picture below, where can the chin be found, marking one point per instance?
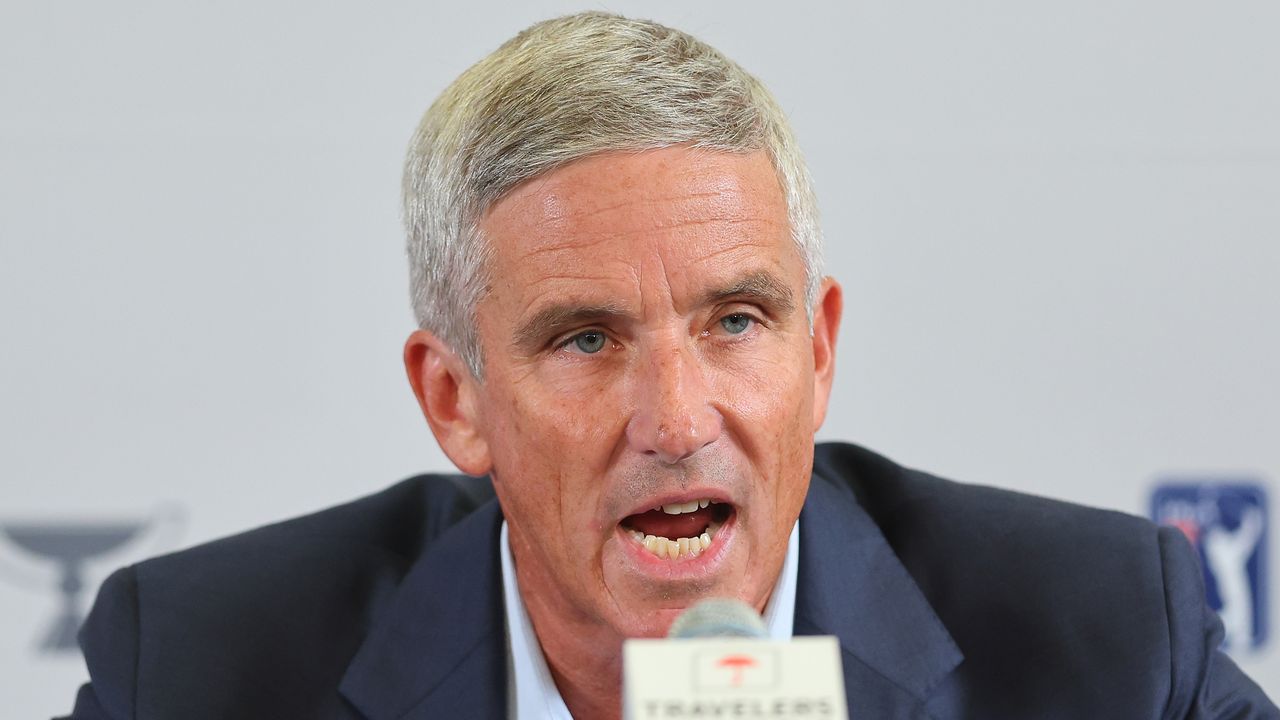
(657, 605)
(650, 622)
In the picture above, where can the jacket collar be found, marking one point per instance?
(439, 648)
(895, 650)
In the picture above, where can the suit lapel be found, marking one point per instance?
(439, 648)
(895, 650)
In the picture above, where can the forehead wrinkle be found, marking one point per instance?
(560, 205)
(631, 201)
(584, 240)
(739, 240)
(552, 291)
(562, 296)
(691, 223)
(561, 242)
(748, 250)
(697, 222)
(666, 200)
(554, 221)
(570, 277)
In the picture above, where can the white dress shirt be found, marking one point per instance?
(531, 691)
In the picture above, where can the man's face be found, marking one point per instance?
(649, 371)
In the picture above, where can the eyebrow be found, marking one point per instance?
(552, 319)
(762, 287)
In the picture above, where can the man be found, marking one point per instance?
(624, 326)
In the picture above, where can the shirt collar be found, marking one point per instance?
(532, 692)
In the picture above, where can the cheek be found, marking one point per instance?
(541, 431)
(770, 405)
(771, 395)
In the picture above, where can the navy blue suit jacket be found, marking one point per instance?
(948, 600)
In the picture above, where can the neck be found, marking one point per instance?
(585, 660)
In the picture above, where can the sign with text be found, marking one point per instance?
(733, 678)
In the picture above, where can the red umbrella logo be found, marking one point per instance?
(737, 663)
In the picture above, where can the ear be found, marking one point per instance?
(826, 326)
(447, 393)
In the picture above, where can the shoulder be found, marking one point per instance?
(1053, 604)
(968, 543)
(371, 538)
(298, 594)
(1029, 588)
(930, 520)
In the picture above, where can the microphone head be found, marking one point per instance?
(718, 617)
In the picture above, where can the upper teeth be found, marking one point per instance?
(687, 507)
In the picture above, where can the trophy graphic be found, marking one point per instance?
(69, 546)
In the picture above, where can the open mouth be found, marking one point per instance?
(678, 530)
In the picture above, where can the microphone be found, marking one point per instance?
(718, 617)
(718, 661)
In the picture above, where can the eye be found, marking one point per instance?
(588, 342)
(736, 323)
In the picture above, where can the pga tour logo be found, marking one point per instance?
(1227, 523)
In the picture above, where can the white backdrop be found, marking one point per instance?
(1057, 225)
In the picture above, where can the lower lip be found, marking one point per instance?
(705, 562)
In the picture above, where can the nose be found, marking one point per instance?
(674, 417)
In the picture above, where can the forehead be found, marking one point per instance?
(610, 218)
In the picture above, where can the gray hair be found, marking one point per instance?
(560, 91)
